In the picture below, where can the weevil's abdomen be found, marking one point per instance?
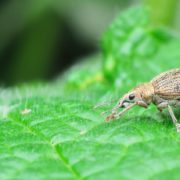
(167, 84)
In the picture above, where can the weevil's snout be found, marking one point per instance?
(123, 103)
(126, 100)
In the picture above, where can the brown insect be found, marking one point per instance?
(163, 91)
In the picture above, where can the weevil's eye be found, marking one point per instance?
(131, 96)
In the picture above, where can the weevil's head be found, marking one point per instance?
(141, 93)
(127, 99)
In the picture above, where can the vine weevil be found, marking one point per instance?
(163, 91)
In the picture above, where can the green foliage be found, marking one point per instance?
(128, 39)
(162, 12)
(51, 131)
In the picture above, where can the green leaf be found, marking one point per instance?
(52, 131)
(130, 38)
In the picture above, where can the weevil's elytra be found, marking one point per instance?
(163, 91)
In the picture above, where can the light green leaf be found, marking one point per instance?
(131, 37)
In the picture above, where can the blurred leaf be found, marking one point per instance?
(35, 50)
(130, 38)
(16, 15)
(163, 12)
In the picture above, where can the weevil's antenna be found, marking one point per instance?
(113, 110)
(115, 115)
(103, 104)
(105, 112)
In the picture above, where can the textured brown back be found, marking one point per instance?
(167, 84)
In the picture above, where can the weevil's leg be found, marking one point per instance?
(177, 103)
(162, 106)
(142, 104)
(124, 110)
(174, 118)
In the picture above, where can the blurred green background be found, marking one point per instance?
(40, 39)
